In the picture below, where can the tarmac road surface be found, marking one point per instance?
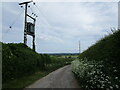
(61, 78)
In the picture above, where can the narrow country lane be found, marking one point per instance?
(61, 78)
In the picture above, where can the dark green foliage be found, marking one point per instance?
(58, 62)
(106, 50)
(19, 60)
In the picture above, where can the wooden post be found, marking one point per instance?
(25, 22)
(25, 25)
(34, 37)
(79, 48)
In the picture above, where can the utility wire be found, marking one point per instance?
(47, 25)
(42, 14)
(32, 10)
(46, 21)
(16, 19)
(42, 19)
(10, 27)
(39, 18)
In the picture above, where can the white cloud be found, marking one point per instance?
(61, 25)
(47, 37)
(61, 0)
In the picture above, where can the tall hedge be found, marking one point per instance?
(19, 60)
(107, 49)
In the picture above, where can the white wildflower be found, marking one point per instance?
(115, 71)
(116, 86)
(111, 87)
(116, 77)
(98, 86)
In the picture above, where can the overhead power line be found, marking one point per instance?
(16, 19)
(13, 23)
(33, 13)
(47, 22)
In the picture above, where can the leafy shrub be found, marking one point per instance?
(101, 68)
(91, 75)
(106, 48)
(19, 60)
(58, 62)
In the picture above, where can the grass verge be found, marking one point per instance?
(24, 81)
(27, 80)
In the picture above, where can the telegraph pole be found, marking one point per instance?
(25, 22)
(79, 47)
(119, 15)
(34, 37)
(28, 26)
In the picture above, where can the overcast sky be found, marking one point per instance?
(60, 25)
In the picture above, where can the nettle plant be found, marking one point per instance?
(91, 75)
